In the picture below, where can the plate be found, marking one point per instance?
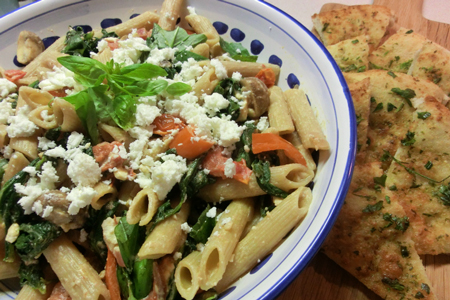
(275, 37)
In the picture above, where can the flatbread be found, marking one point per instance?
(390, 115)
(397, 52)
(433, 63)
(420, 197)
(372, 246)
(360, 92)
(346, 23)
(351, 55)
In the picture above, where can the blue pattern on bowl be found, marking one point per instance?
(110, 22)
(237, 35)
(256, 47)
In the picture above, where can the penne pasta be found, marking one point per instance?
(170, 12)
(203, 25)
(143, 207)
(278, 112)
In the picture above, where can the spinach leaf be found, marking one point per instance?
(80, 44)
(182, 56)
(129, 238)
(178, 88)
(125, 283)
(177, 38)
(35, 238)
(33, 276)
(262, 173)
(142, 278)
(228, 88)
(244, 146)
(202, 229)
(93, 225)
(237, 51)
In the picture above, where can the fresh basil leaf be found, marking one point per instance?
(237, 51)
(124, 107)
(147, 88)
(91, 122)
(177, 38)
(143, 72)
(182, 56)
(192, 40)
(3, 163)
(102, 102)
(87, 70)
(178, 88)
(202, 229)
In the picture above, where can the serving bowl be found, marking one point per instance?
(276, 38)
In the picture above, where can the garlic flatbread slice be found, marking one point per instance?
(351, 55)
(346, 23)
(397, 52)
(372, 241)
(390, 113)
(419, 176)
(360, 92)
(433, 63)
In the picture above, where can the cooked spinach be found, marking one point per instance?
(228, 88)
(202, 229)
(262, 172)
(3, 163)
(79, 43)
(32, 275)
(142, 278)
(244, 145)
(130, 238)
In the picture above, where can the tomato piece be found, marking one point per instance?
(165, 123)
(14, 75)
(215, 163)
(267, 75)
(58, 93)
(262, 142)
(188, 145)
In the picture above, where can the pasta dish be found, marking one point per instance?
(147, 161)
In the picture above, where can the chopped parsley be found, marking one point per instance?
(409, 139)
(361, 69)
(388, 199)
(359, 119)
(400, 223)
(423, 115)
(409, 31)
(391, 107)
(378, 107)
(355, 41)
(406, 94)
(425, 287)
(380, 180)
(393, 187)
(405, 65)
(393, 283)
(428, 165)
(404, 251)
(373, 208)
(390, 73)
(325, 26)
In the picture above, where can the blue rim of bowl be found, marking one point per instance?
(300, 264)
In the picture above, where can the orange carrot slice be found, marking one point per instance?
(267, 76)
(262, 142)
(111, 276)
(188, 145)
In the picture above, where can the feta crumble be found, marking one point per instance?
(220, 70)
(185, 227)
(6, 87)
(83, 170)
(19, 125)
(212, 212)
(230, 168)
(6, 111)
(263, 124)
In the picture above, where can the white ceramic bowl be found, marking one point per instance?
(264, 29)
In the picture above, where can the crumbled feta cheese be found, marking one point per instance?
(185, 227)
(19, 125)
(48, 176)
(220, 70)
(46, 117)
(214, 103)
(84, 170)
(212, 212)
(159, 56)
(80, 197)
(121, 151)
(206, 171)
(168, 173)
(58, 79)
(13, 233)
(57, 152)
(47, 211)
(7, 151)
(146, 114)
(228, 151)
(136, 151)
(30, 193)
(74, 140)
(236, 76)
(64, 189)
(177, 255)
(102, 45)
(6, 87)
(263, 124)
(230, 168)
(83, 236)
(190, 70)
(30, 170)
(191, 10)
(138, 133)
(6, 111)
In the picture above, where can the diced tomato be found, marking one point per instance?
(142, 33)
(188, 31)
(188, 145)
(111, 277)
(262, 142)
(113, 45)
(215, 163)
(58, 93)
(59, 293)
(14, 75)
(105, 157)
(267, 75)
(165, 123)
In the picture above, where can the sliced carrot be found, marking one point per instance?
(14, 75)
(165, 123)
(262, 142)
(267, 76)
(111, 277)
(215, 163)
(188, 145)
